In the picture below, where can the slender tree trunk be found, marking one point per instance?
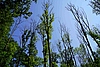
(47, 31)
(44, 53)
(50, 64)
(88, 44)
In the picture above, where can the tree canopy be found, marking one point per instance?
(24, 53)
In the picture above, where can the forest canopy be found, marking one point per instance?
(24, 52)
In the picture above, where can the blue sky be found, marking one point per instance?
(62, 15)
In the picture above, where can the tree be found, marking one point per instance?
(66, 56)
(82, 56)
(7, 45)
(45, 30)
(54, 58)
(83, 30)
(7, 13)
(95, 34)
(95, 5)
(83, 23)
(26, 55)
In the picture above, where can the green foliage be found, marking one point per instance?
(10, 9)
(54, 58)
(82, 55)
(84, 58)
(5, 22)
(54, 64)
(63, 65)
(26, 55)
(45, 30)
(7, 50)
(95, 34)
(17, 8)
(66, 56)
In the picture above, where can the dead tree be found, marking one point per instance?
(83, 23)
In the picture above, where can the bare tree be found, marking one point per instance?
(67, 57)
(83, 28)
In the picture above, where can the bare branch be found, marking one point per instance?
(81, 19)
